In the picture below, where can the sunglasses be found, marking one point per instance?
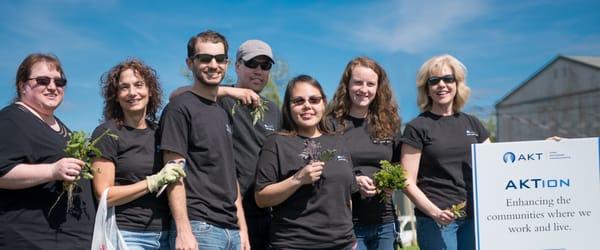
(207, 58)
(435, 80)
(252, 64)
(45, 81)
(298, 101)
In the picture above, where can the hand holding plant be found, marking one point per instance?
(80, 147)
(257, 112)
(459, 210)
(390, 177)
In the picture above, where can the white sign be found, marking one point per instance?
(537, 194)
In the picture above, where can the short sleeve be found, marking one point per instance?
(412, 137)
(483, 133)
(173, 129)
(268, 164)
(14, 148)
(396, 147)
(107, 145)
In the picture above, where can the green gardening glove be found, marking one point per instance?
(170, 173)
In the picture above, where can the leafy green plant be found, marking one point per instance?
(312, 152)
(257, 113)
(390, 177)
(81, 147)
(459, 210)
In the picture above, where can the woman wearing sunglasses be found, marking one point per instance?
(309, 193)
(365, 112)
(129, 165)
(436, 155)
(33, 166)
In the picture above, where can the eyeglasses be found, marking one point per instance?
(45, 81)
(207, 58)
(252, 64)
(298, 101)
(435, 80)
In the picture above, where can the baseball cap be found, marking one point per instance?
(253, 48)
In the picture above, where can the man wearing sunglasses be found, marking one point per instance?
(253, 63)
(206, 205)
(254, 59)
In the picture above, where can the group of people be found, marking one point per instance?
(233, 181)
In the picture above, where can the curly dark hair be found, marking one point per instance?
(110, 90)
(288, 126)
(383, 119)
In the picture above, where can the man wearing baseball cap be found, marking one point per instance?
(254, 59)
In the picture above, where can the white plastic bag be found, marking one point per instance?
(106, 234)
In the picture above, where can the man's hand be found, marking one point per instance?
(245, 96)
(186, 241)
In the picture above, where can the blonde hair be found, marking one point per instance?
(436, 64)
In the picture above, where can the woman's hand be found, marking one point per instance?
(66, 169)
(444, 217)
(366, 186)
(310, 173)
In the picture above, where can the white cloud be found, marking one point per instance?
(407, 26)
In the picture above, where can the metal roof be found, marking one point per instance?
(592, 61)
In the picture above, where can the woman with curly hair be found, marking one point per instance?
(436, 150)
(365, 112)
(129, 165)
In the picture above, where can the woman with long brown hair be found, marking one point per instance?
(365, 113)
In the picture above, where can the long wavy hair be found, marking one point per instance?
(435, 64)
(288, 126)
(383, 119)
(110, 90)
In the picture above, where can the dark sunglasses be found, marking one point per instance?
(298, 101)
(207, 58)
(252, 64)
(45, 81)
(435, 80)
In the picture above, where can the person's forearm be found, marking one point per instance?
(178, 206)
(277, 193)
(27, 175)
(416, 195)
(119, 195)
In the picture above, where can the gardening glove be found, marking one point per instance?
(170, 173)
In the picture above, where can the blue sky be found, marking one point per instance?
(502, 43)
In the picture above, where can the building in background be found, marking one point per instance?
(562, 98)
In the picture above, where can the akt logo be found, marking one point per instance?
(509, 156)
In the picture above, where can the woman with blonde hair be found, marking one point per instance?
(436, 155)
(365, 113)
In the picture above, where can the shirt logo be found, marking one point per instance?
(341, 158)
(269, 127)
(228, 128)
(471, 133)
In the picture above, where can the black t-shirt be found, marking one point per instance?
(134, 156)
(24, 219)
(366, 152)
(315, 216)
(248, 140)
(199, 130)
(445, 166)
